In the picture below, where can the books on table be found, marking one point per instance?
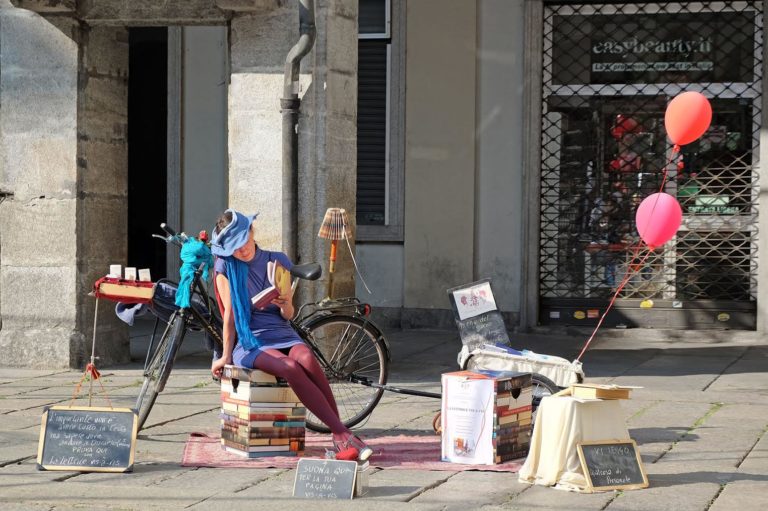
(280, 284)
(599, 391)
(260, 415)
(486, 418)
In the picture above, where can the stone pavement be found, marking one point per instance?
(700, 422)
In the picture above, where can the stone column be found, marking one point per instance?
(58, 154)
(260, 41)
(38, 148)
(102, 186)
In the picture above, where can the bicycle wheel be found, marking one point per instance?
(159, 368)
(355, 353)
(542, 387)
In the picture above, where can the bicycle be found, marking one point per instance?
(351, 349)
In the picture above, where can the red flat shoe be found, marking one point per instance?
(345, 452)
(348, 454)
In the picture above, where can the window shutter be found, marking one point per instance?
(371, 131)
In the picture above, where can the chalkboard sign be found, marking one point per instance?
(612, 465)
(325, 479)
(477, 317)
(87, 439)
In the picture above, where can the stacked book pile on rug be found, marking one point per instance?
(260, 415)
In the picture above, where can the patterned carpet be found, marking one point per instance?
(390, 452)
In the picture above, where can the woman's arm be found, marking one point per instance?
(228, 319)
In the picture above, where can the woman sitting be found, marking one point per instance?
(265, 338)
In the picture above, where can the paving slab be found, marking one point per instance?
(743, 496)
(473, 489)
(756, 460)
(687, 497)
(541, 498)
(404, 485)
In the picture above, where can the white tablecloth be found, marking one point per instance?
(561, 423)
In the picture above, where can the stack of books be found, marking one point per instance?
(260, 415)
(486, 416)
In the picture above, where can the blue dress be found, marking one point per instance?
(268, 326)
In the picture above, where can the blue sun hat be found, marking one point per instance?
(234, 235)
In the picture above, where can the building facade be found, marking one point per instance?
(532, 131)
(469, 139)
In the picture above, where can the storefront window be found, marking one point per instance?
(609, 73)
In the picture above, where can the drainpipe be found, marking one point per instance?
(289, 107)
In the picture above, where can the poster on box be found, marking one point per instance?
(467, 417)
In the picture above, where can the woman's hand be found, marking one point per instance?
(218, 365)
(285, 303)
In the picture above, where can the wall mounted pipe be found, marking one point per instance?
(290, 105)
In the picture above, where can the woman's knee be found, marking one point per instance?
(302, 354)
(287, 368)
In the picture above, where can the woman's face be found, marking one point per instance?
(248, 250)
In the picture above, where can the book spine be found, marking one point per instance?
(246, 454)
(257, 448)
(503, 412)
(290, 424)
(512, 456)
(231, 436)
(243, 374)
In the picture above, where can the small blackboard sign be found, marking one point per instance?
(477, 317)
(325, 479)
(87, 439)
(612, 465)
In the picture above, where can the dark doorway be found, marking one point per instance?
(147, 147)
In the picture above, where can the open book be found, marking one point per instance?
(280, 284)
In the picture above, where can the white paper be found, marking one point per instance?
(474, 300)
(467, 417)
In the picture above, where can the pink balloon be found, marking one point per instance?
(687, 117)
(658, 218)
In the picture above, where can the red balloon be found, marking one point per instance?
(688, 116)
(658, 218)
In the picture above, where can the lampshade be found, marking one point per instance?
(335, 225)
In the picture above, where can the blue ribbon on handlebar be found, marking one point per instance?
(193, 253)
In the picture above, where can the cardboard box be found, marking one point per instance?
(486, 416)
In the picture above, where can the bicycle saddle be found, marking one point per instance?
(309, 271)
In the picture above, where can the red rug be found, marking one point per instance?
(403, 452)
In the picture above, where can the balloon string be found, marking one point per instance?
(631, 269)
(675, 150)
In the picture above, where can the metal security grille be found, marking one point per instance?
(609, 72)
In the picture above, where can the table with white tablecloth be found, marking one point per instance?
(561, 423)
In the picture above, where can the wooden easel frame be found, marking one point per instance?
(585, 469)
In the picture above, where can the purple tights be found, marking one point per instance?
(305, 376)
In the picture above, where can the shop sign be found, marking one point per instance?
(653, 48)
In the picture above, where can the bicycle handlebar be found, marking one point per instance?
(168, 229)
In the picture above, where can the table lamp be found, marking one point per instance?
(335, 227)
